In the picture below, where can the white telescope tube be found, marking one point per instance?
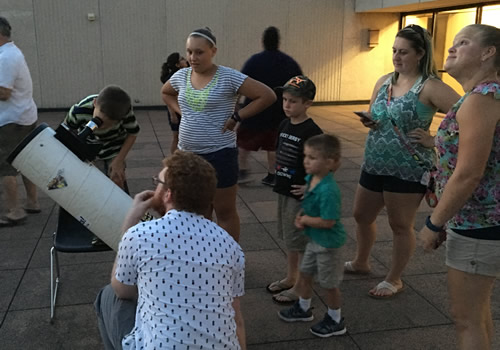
(79, 187)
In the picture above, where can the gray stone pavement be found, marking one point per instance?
(418, 318)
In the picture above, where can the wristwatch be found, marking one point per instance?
(431, 226)
(236, 117)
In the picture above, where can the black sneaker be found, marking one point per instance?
(243, 176)
(296, 314)
(268, 180)
(328, 327)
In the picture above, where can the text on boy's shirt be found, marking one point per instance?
(290, 137)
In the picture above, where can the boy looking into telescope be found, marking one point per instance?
(117, 133)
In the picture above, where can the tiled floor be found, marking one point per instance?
(418, 318)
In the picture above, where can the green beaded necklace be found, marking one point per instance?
(197, 99)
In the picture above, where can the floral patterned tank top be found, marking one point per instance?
(385, 150)
(482, 209)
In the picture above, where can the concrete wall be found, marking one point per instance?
(71, 56)
(411, 5)
(363, 66)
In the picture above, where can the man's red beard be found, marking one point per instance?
(158, 205)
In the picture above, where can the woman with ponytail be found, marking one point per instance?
(393, 166)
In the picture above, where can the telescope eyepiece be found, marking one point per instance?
(89, 128)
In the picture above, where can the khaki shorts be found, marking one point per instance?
(326, 263)
(295, 239)
(10, 136)
(474, 256)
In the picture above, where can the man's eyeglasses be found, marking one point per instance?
(157, 181)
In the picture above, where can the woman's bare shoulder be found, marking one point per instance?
(439, 94)
(382, 80)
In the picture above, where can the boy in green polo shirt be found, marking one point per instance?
(320, 220)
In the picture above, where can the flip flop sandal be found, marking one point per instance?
(286, 297)
(277, 287)
(350, 270)
(32, 210)
(6, 223)
(389, 286)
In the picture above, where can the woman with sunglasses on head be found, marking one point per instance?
(468, 184)
(205, 95)
(173, 63)
(402, 101)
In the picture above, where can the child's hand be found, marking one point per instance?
(116, 172)
(298, 190)
(298, 222)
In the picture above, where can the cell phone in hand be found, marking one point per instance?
(364, 115)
